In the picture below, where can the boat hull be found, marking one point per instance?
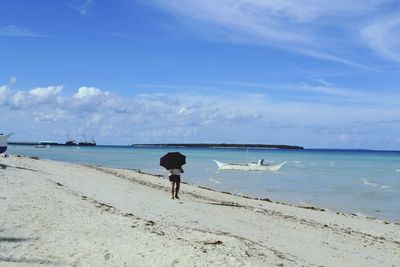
(3, 142)
(249, 167)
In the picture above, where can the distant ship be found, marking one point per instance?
(87, 143)
(70, 142)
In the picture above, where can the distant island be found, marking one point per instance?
(223, 145)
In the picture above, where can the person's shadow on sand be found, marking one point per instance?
(4, 166)
(13, 239)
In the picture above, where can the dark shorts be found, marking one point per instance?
(3, 149)
(175, 178)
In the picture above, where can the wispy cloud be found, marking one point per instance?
(82, 6)
(309, 27)
(18, 31)
(383, 36)
(305, 90)
(330, 57)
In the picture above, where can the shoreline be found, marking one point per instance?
(71, 214)
(267, 199)
(281, 199)
(312, 206)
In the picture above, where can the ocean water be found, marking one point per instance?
(355, 181)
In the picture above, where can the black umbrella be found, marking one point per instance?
(172, 160)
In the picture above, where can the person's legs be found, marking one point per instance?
(177, 187)
(172, 189)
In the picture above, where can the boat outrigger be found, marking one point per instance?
(259, 166)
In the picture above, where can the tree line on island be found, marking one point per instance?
(222, 145)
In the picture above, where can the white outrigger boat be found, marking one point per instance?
(259, 166)
(3, 143)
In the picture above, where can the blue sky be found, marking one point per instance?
(313, 73)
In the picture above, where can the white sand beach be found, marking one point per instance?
(60, 214)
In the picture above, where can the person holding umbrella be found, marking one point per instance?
(175, 179)
(173, 162)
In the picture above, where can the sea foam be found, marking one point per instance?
(366, 182)
(215, 181)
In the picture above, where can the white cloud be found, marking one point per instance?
(91, 98)
(46, 116)
(18, 31)
(383, 36)
(4, 94)
(45, 93)
(36, 96)
(189, 116)
(89, 92)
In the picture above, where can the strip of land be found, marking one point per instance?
(60, 214)
(222, 145)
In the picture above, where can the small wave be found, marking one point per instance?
(215, 181)
(397, 170)
(385, 186)
(366, 182)
(296, 161)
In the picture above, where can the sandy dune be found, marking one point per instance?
(60, 214)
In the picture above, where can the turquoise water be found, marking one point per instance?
(364, 182)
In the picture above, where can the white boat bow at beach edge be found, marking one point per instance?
(3, 142)
(259, 166)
